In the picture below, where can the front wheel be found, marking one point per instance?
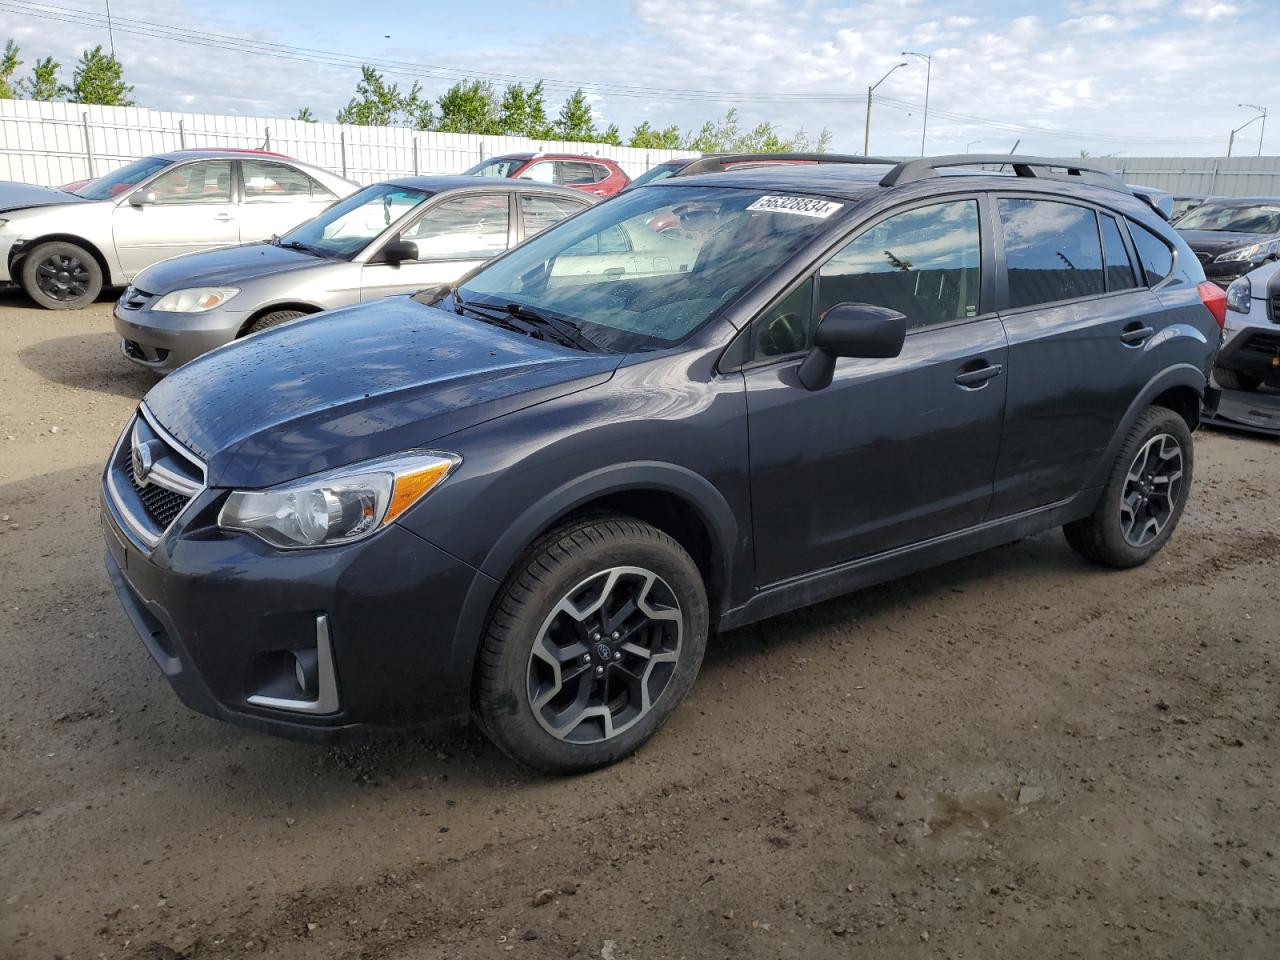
(1144, 495)
(274, 319)
(595, 641)
(59, 275)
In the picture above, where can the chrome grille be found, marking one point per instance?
(135, 299)
(151, 479)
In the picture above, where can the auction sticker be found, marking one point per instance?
(803, 206)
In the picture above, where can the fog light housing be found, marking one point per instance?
(313, 687)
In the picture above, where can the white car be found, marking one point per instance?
(1250, 354)
(64, 246)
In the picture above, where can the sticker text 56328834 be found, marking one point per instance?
(801, 206)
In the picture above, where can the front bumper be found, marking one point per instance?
(222, 613)
(162, 342)
(1252, 349)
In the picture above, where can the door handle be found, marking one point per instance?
(224, 218)
(1133, 336)
(975, 379)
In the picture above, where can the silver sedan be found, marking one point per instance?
(398, 236)
(63, 247)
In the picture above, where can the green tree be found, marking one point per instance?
(305, 115)
(376, 103)
(726, 136)
(417, 110)
(9, 64)
(523, 112)
(645, 135)
(469, 107)
(575, 121)
(611, 135)
(43, 83)
(99, 78)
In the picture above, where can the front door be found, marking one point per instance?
(451, 236)
(275, 197)
(893, 451)
(194, 209)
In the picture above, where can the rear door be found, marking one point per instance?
(537, 212)
(894, 451)
(194, 209)
(452, 236)
(1078, 316)
(275, 197)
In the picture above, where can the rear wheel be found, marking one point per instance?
(594, 643)
(59, 275)
(274, 319)
(1144, 495)
(1235, 380)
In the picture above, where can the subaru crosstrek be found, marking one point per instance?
(529, 496)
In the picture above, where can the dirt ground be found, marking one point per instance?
(1015, 755)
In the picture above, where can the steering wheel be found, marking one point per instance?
(783, 334)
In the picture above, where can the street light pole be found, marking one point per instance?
(1262, 115)
(866, 135)
(970, 144)
(1263, 132)
(928, 76)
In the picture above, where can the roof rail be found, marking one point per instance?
(716, 163)
(926, 167)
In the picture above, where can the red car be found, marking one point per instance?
(598, 176)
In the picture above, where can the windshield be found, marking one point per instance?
(647, 268)
(497, 167)
(660, 172)
(1234, 218)
(118, 181)
(347, 227)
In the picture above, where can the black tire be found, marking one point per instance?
(572, 563)
(59, 275)
(274, 319)
(1120, 535)
(1235, 380)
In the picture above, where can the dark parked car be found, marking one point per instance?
(1232, 236)
(719, 162)
(529, 496)
(598, 176)
(1184, 203)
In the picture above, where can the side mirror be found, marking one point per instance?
(851, 330)
(398, 251)
(142, 198)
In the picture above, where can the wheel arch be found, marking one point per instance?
(1180, 388)
(300, 305)
(16, 257)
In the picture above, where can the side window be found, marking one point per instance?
(600, 173)
(785, 327)
(572, 173)
(543, 172)
(541, 212)
(266, 182)
(1154, 253)
(1051, 251)
(466, 228)
(1120, 275)
(208, 181)
(924, 263)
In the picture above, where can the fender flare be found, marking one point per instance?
(691, 487)
(1180, 375)
(16, 255)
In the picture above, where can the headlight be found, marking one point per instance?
(339, 506)
(195, 300)
(1255, 251)
(1239, 296)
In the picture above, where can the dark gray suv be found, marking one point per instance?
(529, 496)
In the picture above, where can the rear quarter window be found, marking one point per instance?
(1154, 254)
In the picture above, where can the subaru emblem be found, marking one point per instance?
(603, 652)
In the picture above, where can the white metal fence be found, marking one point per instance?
(56, 143)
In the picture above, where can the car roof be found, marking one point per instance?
(1241, 201)
(443, 182)
(829, 179)
(550, 156)
(205, 153)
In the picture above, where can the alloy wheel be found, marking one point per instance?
(604, 655)
(1151, 488)
(62, 277)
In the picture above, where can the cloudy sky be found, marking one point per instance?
(1128, 77)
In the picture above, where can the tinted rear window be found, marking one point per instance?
(1154, 253)
(1120, 275)
(1052, 251)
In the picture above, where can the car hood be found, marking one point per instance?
(1220, 241)
(20, 196)
(362, 382)
(225, 266)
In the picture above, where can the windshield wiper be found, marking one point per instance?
(295, 245)
(566, 332)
